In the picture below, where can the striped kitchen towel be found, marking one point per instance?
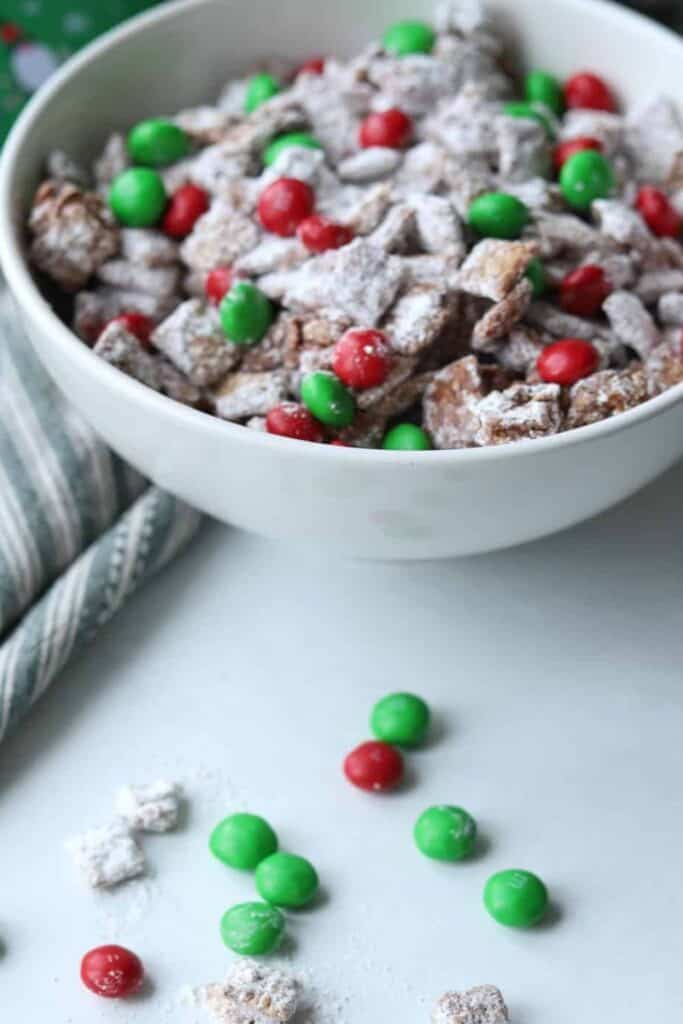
(79, 529)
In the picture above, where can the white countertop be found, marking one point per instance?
(248, 670)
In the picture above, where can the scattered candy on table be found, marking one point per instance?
(112, 972)
(252, 929)
(374, 766)
(242, 841)
(518, 899)
(286, 880)
(446, 833)
(400, 718)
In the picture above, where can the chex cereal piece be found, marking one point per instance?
(422, 169)
(176, 385)
(605, 394)
(607, 128)
(482, 1005)
(437, 225)
(521, 350)
(560, 233)
(537, 193)
(151, 808)
(366, 209)
(521, 411)
(253, 994)
(220, 236)
(440, 271)
(112, 161)
(460, 16)
(402, 370)
(415, 83)
(73, 233)
(561, 325)
(494, 267)
(501, 318)
(631, 323)
(464, 126)
(655, 137)
(107, 855)
(398, 399)
(106, 303)
(449, 402)
(161, 281)
(370, 164)
(60, 167)
(663, 369)
(121, 349)
(193, 339)
(358, 281)
(656, 283)
(621, 223)
(283, 335)
(148, 248)
(214, 169)
(249, 394)
(295, 162)
(272, 254)
(523, 148)
(670, 308)
(417, 319)
(396, 230)
(204, 124)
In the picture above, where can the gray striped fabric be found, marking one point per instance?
(79, 530)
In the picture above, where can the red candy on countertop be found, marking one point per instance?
(564, 362)
(586, 91)
(583, 292)
(293, 420)
(374, 766)
(185, 207)
(284, 205)
(313, 66)
(320, 234)
(391, 129)
(566, 150)
(656, 210)
(112, 972)
(137, 323)
(361, 359)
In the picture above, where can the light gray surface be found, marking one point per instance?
(248, 671)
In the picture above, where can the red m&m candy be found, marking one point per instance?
(658, 213)
(567, 361)
(586, 91)
(136, 323)
(293, 420)
(374, 766)
(112, 972)
(313, 66)
(583, 292)
(361, 359)
(391, 129)
(284, 205)
(320, 234)
(566, 150)
(218, 283)
(185, 207)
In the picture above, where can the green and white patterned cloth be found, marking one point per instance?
(80, 530)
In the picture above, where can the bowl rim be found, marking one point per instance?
(14, 263)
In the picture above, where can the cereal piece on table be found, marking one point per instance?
(522, 411)
(494, 267)
(63, 169)
(482, 1005)
(220, 237)
(204, 124)
(605, 394)
(655, 137)
(176, 385)
(272, 254)
(193, 340)
(653, 285)
(73, 233)
(242, 395)
(150, 808)
(112, 161)
(253, 994)
(621, 223)
(521, 350)
(561, 325)
(358, 281)
(670, 309)
(609, 129)
(523, 148)
(437, 225)
(395, 232)
(501, 318)
(449, 402)
(663, 369)
(121, 349)
(107, 856)
(417, 319)
(422, 170)
(161, 281)
(631, 323)
(148, 248)
(370, 164)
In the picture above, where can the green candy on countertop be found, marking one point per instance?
(260, 88)
(286, 880)
(406, 437)
(137, 197)
(252, 929)
(517, 899)
(246, 314)
(242, 841)
(498, 215)
(408, 37)
(401, 719)
(446, 833)
(283, 142)
(328, 399)
(157, 142)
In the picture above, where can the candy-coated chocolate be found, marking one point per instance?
(328, 399)
(260, 88)
(137, 197)
(252, 929)
(246, 314)
(567, 361)
(517, 899)
(242, 841)
(157, 142)
(112, 972)
(585, 177)
(498, 215)
(406, 437)
(286, 880)
(278, 145)
(400, 718)
(374, 766)
(542, 87)
(446, 833)
(406, 37)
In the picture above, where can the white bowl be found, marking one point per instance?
(355, 502)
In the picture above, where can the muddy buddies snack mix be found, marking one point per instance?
(407, 249)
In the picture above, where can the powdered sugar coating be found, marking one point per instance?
(253, 994)
(118, 347)
(193, 340)
(108, 855)
(482, 1005)
(154, 807)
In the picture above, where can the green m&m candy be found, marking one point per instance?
(242, 841)
(327, 399)
(157, 142)
(542, 87)
(283, 142)
(406, 437)
(406, 37)
(252, 929)
(498, 215)
(446, 833)
(286, 880)
(246, 314)
(260, 88)
(401, 719)
(527, 110)
(536, 273)
(137, 197)
(585, 177)
(517, 899)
